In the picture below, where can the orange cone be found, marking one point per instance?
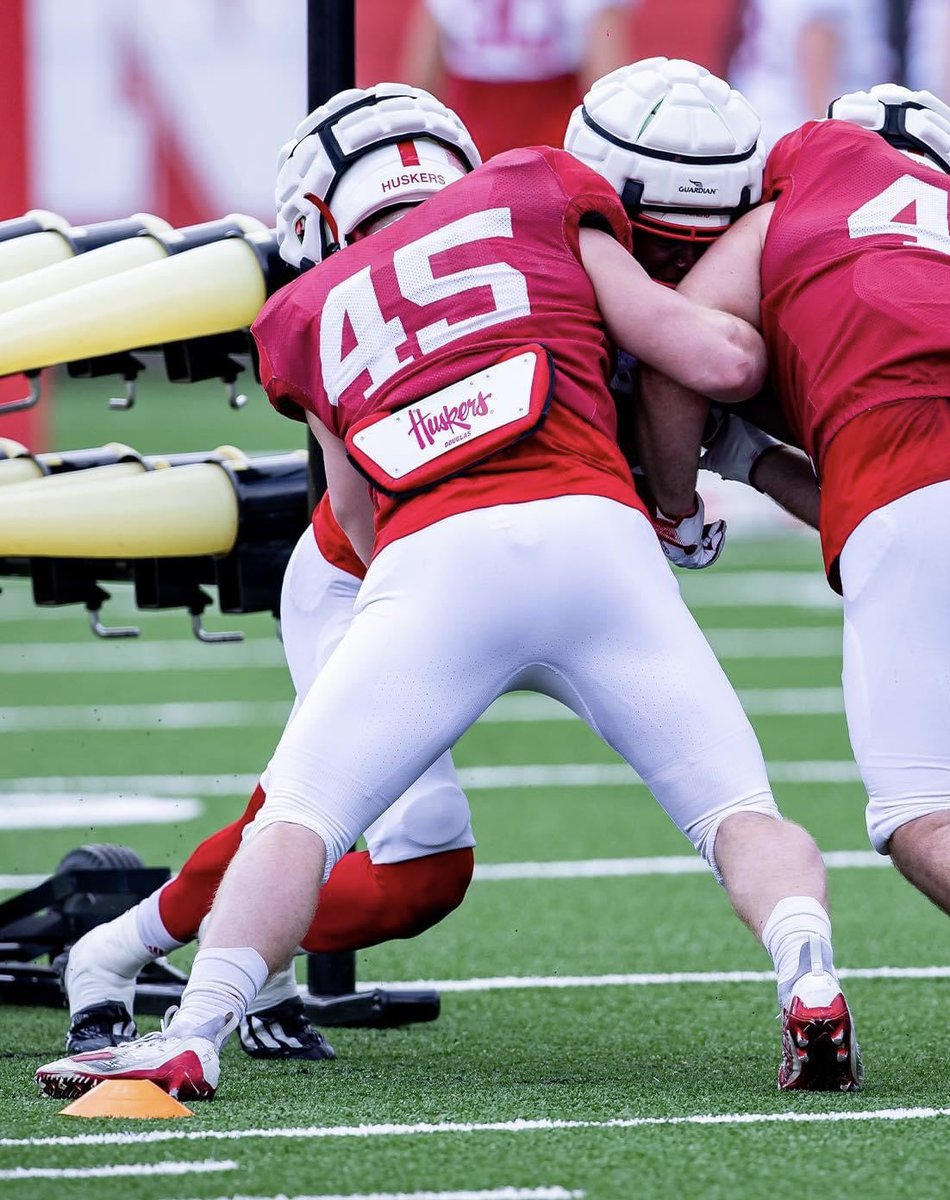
(126, 1098)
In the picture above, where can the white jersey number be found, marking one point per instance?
(353, 320)
(929, 228)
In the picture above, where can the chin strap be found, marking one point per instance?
(321, 207)
(675, 232)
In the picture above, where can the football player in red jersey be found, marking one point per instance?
(466, 595)
(419, 861)
(845, 270)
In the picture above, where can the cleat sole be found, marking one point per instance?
(821, 1054)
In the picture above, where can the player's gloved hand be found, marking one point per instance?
(733, 446)
(688, 541)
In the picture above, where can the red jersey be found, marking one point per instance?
(333, 543)
(855, 272)
(486, 266)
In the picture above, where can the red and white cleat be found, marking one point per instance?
(185, 1067)
(820, 1051)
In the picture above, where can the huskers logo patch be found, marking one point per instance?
(449, 430)
(451, 424)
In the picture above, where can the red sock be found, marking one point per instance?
(183, 903)
(363, 904)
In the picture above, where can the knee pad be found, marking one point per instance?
(428, 818)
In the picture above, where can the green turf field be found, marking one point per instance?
(578, 1052)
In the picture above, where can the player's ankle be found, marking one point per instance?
(792, 925)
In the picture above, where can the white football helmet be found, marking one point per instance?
(917, 122)
(680, 145)
(364, 151)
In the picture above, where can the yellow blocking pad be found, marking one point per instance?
(70, 480)
(17, 465)
(21, 255)
(23, 470)
(11, 449)
(19, 470)
(212, 289)
(80, 269)
(54, 458)
(186, 511)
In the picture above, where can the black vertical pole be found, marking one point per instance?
(331, 67)
(331, 53)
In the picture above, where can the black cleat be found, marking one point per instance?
(283, 1031)
(101, 1025)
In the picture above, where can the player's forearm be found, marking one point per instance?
(787, 477)
(668, 422)
(349, 492)
(729, 364)
(711, 352)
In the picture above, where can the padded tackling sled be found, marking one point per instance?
(95, 883)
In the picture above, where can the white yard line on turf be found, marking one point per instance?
(666, 864)
(586, 775)
(510, 983)
(520, 775)
(36, 658)
(531, 708)
(311, 1132)
(166, 1168)
(590, 868)
(221, 714)
(773, 589)
(206, 714)
(714, 589)
(806, 641)
(503, 1193)
(43, 658)
(130, 785)
(45, 810)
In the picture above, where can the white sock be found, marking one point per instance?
(118, 946)
(281, 986)
(790, 925)
(151, 928)
(104, 963)
(222, 983)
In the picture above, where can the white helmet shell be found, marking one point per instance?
(364, 151)
(917, 122)
(676, 142)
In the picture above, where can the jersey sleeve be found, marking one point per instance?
(288, 399)
(782, 159)
(591, 200)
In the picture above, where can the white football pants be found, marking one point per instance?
(316, 608)
(569, 596)
(895, 576)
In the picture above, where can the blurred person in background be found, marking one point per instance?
(928, 46)
(793, 57)
(514, 70)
